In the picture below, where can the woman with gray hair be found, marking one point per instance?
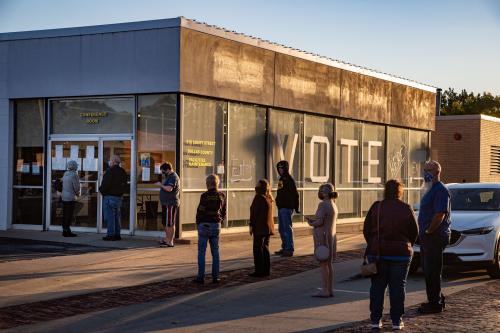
(324, 224)
(70, 191)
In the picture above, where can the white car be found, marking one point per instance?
(475, 228)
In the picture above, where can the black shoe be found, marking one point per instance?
(443, 303)
(428, 308)
(280, 252)
(199, 281)
(117, 238)
(287, 254)
(215, 280)
(108, 238)
(68, 234)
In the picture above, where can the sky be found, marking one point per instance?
(443, 43)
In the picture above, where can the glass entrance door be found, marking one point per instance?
(85, 153)
(92, 157)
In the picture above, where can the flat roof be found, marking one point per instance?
(216, 31)
(469, 117)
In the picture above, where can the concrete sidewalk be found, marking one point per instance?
(137, 261)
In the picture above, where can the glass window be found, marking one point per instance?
(348, 154)
(318, 155)
(373, 156)
(239, 202)
(204, 123)
(247, 144)
(92, 116)
(348, 203)
(285, 143)
(368, 197)
(29, 124)
(419, 153)
(397, 154)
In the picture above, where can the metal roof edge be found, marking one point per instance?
(92, 30)
(246, 39)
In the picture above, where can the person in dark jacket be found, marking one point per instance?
(261, 227)
(114, 185)
(169, 198)
(210, 214)
(287, 200)
(391, 246)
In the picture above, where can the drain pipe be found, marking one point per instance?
(438, 101)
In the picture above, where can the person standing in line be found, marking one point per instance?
(210, 214)
(287, 200)
(325, 233)
(390, 230)
(261, 228)
(114, 185)
(434, 222)
(169, 198)
(70, 191)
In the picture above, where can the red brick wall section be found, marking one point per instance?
(490, 135)
(459, 158)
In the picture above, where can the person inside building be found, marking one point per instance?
(287, 200)
(261, 227)
(114, 185)
(390, 230)
(70, 191)
(169, 198)
(210, 214)
(434, 223)
(325, 233)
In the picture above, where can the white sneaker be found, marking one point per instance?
(377, 326)
(398, 327)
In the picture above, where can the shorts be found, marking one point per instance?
(169, 215)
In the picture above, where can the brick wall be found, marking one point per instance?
(490, 135)
(459, 158)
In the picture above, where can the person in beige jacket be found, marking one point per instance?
(324, 224)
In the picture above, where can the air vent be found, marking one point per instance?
(495, 160)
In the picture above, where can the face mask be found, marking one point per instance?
(428, 177)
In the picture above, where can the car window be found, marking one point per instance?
(475, 199)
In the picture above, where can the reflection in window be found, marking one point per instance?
(92, 116)
(397, 154)
(285, 143)
(203, 141)
(348, 154)
(419, 153)
(373, 156)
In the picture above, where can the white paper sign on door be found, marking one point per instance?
(89, 153)
(146, 174)
(90, 164)
(59, 151)
(74, 152)
(58, 163)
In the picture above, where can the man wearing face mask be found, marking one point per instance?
(434, 234)
(287, 200)
(169, 197)
(114, 185)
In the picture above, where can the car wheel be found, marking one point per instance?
(494, 270)
(414, 265)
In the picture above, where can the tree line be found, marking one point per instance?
(453, 103)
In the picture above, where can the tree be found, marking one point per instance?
(453, 103)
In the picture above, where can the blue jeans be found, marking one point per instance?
(208, 233)
(394, 274)
(111, 206)
(285, 228)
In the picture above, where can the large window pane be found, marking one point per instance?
(247, 143)
(419, 153)
(27, 204)
(318, 155)
(348, 204)
(285, 143)
(92, 116)
(373, 156)
(368, 198)
(348, 154)
(203, 141)
(397, 154)
(28, 146)
(239, 203)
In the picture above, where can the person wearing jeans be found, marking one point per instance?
(434, 222)
(210, 214)
(287, 200)
(390, 230)
(114, 185)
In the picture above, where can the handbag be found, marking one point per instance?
(322, 252)
(370, 269)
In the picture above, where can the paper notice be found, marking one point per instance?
(90, 164)
(157, 169)
(58, 164)
(220, 169)
(59, 151)
(74, 152)
(19, 165)
(26, 168)
(146, 174)
(90, 152)
(35, 168)
(145, 160)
